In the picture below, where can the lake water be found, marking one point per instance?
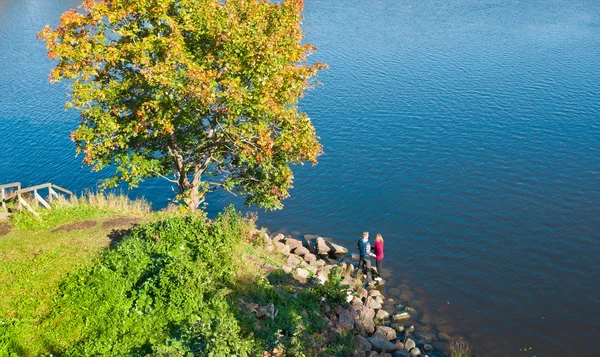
(467, 133)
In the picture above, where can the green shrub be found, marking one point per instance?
(163, 291)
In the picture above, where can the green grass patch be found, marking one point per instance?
(178, 286)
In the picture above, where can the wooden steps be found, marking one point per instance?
(13, 192)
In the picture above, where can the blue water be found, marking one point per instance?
(467, 133)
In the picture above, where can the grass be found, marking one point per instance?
(89, 206)
(174, 286)
(34, 256)
(460, 348)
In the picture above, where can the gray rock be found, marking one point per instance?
(378, 299)
(318, 263)
(302, 273)
(372, 303)
(293, 243)
(322, 276)
(371, 354)
(401, 317)
(288, 268)
(361, 343)
(398, 327)
(301, 251)
(411, 329)
(385, 354)
(425, 337)
(309, 258)
(409, 344)
(293, 260)
(345, 322)
(443, 336)
(337, 251)
(399, 345)
(389, 332)
(362, 293)
(282, 248)
(380, 342)
(266, 239)
(375, 292)
(427, 348)
(278, 238)
(400, 353)
(382, 315)
(415, 352)
(321, 246)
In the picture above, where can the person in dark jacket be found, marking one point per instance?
(364, 250)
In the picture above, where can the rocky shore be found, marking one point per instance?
(377, 326)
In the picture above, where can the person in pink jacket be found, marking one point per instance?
(378, 254)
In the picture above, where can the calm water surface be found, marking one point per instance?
(466, 132)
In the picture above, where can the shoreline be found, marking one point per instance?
(380, 325)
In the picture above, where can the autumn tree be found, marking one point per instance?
(203, 93)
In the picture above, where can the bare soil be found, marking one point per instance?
(121, 222)
(5, 228)
(83, 225)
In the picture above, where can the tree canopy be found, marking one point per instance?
(203, 93)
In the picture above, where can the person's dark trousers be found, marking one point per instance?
(378, 263)
(365, 264)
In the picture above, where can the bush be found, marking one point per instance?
(163, 291)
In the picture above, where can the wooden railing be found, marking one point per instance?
(16, 193)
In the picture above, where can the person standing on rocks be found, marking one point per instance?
(378, 254)
(364, 249)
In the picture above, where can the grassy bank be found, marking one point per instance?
(80, 282)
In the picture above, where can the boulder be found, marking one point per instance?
(319, 246)
(401, 317)
(425, 337)
(427, 348)
(366, 323)
(301, 274)
(398, 327)
(318, 263)
(362, 293)
(310, 258)
(409, 344)
(399, 345)
(293, 243)
(380, 342)
(382, 315)
(371, 354)
(415, 352)
(282, 248)
(443, 336)
(336, 251)
(301, 251)
(411, 329)
(287, 268)
(375, 292)
(372, 303)
(378, 299)
(361, 344)
(293, 260)
(345, 322)
(389, 332)
(278, 238)
(400, 353)
(385, 354)
(322, 277)
(266, 239)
